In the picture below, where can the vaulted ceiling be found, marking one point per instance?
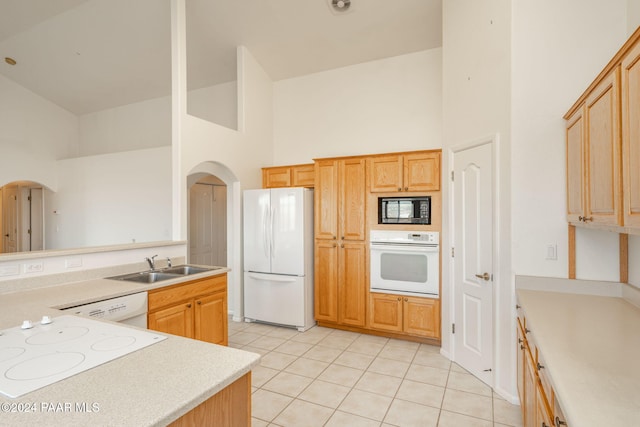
(89, 55)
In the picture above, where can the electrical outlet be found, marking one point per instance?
(9, 270)
(73, 262)
(552, 252)
(33, 267)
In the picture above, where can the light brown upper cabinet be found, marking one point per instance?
(405, 172)
(288, 176)
(631, 136)
(340, 248)
(603, 146)
(602, 189)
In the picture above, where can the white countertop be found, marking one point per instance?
(152, 386)
(591, 348)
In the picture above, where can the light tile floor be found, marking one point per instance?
(328, 377)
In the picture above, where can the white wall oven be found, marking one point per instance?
(405, 262)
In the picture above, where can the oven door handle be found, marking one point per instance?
(383, 247)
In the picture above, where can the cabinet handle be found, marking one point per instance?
(580, 218)
(406, 188)
(406, 299)
(526, 331)
(585, 219)
(399, 299)
(342, 245)
(335, 244)
(517, 306)
(521, 347)
(540, 366)
(199, 302)
(188, 305)
(399, 188)
(520, 341)
(559, 422)
(342, 237)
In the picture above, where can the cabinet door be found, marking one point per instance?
(352, 199)
(530, 405)
(302, 176)
(575, 175)
(175, 320)
(631, 136)
(602, 115)
(326, 281)
(211, 318)
(385, 312)
(421, 316)
(422, 172)
(352, 284)
(521, 349)
(386, 173)
(326, 199)
(276, 177)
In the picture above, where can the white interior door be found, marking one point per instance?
(473, 260)
(37, 219)
(200, 226)
(10, 219)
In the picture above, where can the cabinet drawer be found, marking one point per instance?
(185, 291)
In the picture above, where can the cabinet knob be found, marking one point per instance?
(399, 188)
(517, 306)
(559, 422)
(199, 302)
(526, 331)
(540, 366)
(335, 244)
(342, 245)
(406, 299)
(399, 299)
(544, 424)
(334, 237)
(519, 340)
(521, 347)
(406, 188)
(188, 305)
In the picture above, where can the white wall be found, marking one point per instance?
(217, 104)
(137, 126)
(633, 15)
(34, 133)
(558, 49)
(393, 104)
(111, 199)
(476, 105)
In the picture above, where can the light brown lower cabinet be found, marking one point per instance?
(404, 314)
(195, 309)
(537, 397)
(231, 406)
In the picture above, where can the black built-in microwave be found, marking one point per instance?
(404, 210)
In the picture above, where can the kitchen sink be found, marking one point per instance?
(186, 270)
(146, 277)
(163, 274)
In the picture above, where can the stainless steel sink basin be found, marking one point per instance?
(186, 270)
(146, 277)
(164, 274)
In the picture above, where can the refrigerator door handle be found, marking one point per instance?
(272, 234)
(272, 278)
(265, 231)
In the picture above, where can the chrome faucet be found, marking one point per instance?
(152, 262)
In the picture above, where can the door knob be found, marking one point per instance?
(484, 276)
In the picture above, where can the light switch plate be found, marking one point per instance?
(552, 252)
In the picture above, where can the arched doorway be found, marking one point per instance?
(219, 175)
(22, 216)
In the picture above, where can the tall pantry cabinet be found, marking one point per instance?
(340, 241)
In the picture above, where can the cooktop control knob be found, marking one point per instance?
(45, 320)
(27, 324)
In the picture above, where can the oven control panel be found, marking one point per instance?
(397, 236)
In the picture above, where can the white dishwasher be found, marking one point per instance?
(128, 309)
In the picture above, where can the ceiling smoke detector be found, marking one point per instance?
(339, 6)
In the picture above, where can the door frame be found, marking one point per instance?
(494, 140)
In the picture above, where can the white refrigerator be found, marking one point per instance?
(278, 256)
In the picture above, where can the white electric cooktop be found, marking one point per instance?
(35, 355)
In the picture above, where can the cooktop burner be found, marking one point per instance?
(48, 352)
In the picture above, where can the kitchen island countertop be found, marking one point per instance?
(150, 387)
